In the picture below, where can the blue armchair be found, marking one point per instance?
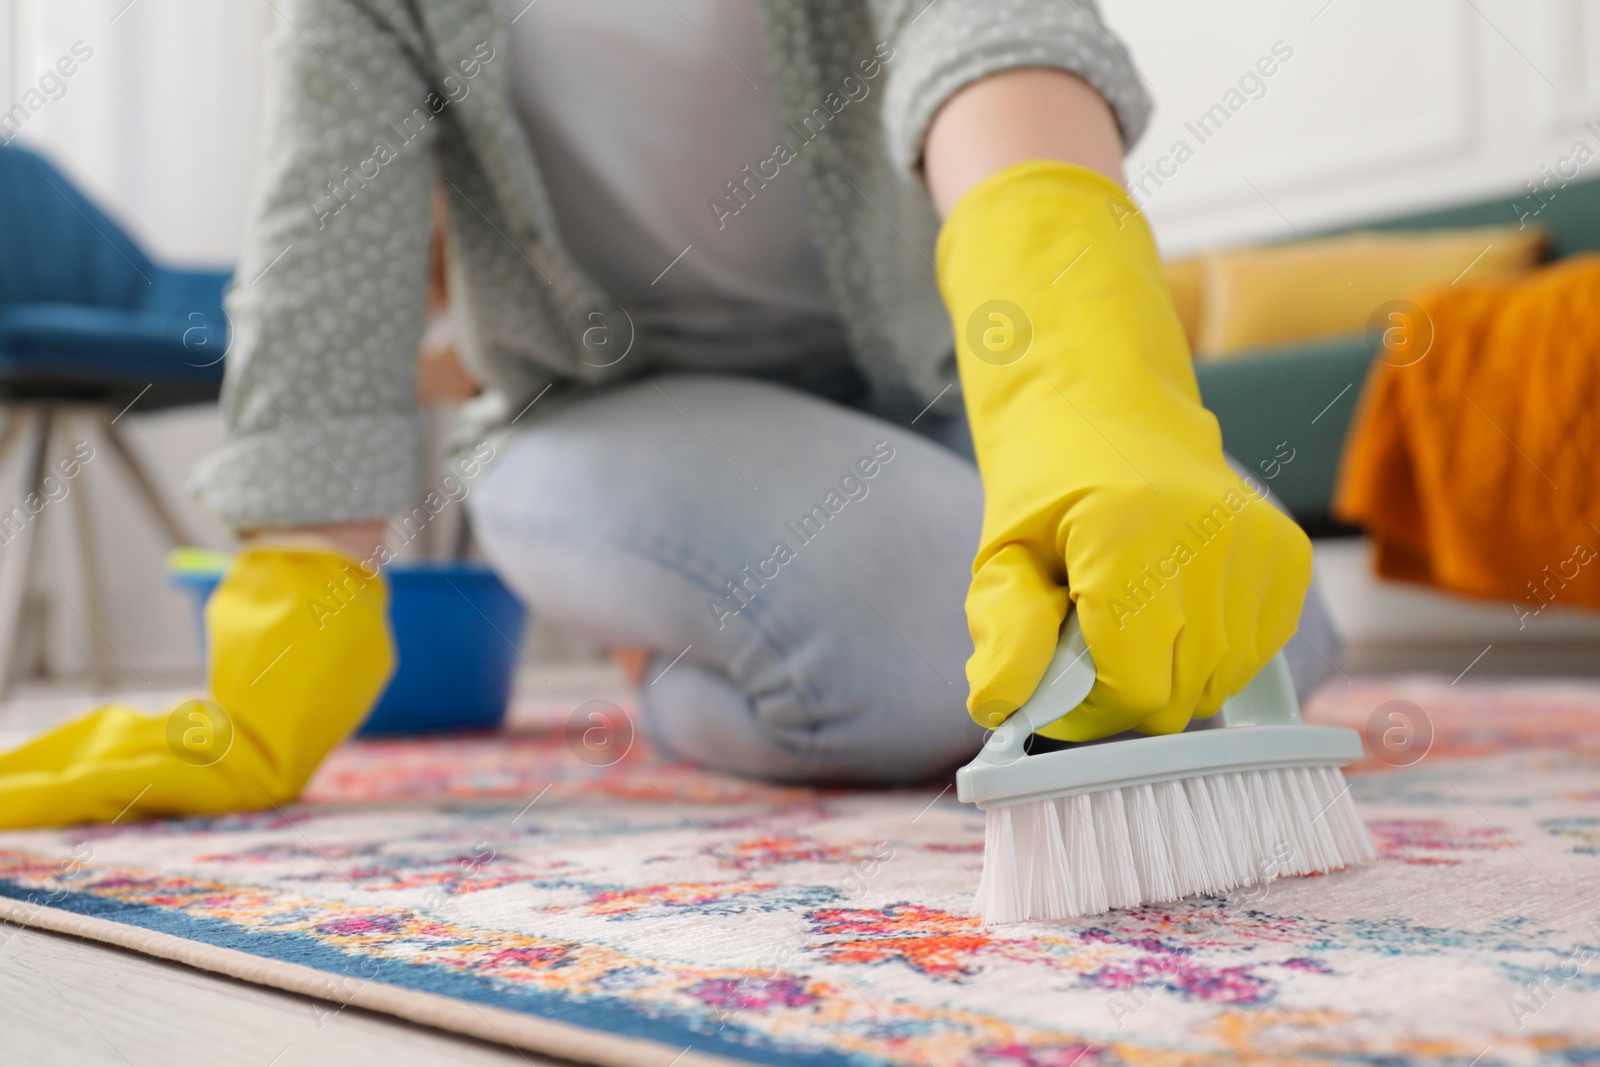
(89, 328)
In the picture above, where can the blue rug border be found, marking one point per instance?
(607, 1015)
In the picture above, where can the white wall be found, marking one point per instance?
(1383, 107)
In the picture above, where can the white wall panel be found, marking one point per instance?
(1566, 43)
(1384, 107)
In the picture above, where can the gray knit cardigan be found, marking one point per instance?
(368, 100)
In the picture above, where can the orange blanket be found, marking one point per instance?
(1476, 467)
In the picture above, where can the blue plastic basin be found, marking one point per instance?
(457, 631)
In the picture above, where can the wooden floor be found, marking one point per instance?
(64, 1000)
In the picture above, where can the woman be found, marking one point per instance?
(697, 253)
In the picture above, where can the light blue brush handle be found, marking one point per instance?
(1268, 700)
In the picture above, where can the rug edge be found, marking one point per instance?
(485, 1022)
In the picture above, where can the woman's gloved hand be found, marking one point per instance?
(1104, 479)
(299, 650)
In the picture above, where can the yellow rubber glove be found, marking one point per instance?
(300, 649)
(1103, 477)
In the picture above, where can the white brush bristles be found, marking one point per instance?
(1141, 844)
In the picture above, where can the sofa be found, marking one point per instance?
(1306, 394)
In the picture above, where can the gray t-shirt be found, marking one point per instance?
(641, 112)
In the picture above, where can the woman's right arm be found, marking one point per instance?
(327, 305)
(363, 540)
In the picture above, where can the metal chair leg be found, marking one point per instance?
(93, 583)
(17, 558)
(145, 484)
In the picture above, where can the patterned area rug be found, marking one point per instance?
(649, 913)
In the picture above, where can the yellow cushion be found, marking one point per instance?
(1186, 283)
(1294, 292)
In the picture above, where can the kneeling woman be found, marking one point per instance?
(824, 350)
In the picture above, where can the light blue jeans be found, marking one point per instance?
(797, 567)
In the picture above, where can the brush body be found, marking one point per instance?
(1236, 800)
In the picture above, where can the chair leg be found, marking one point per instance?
(93, 582)
(16, 561)
(145, 485)
(16, 416)
(461, 545)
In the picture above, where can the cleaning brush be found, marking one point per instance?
(1236, 800)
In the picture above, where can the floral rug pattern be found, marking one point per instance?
(791, 926)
